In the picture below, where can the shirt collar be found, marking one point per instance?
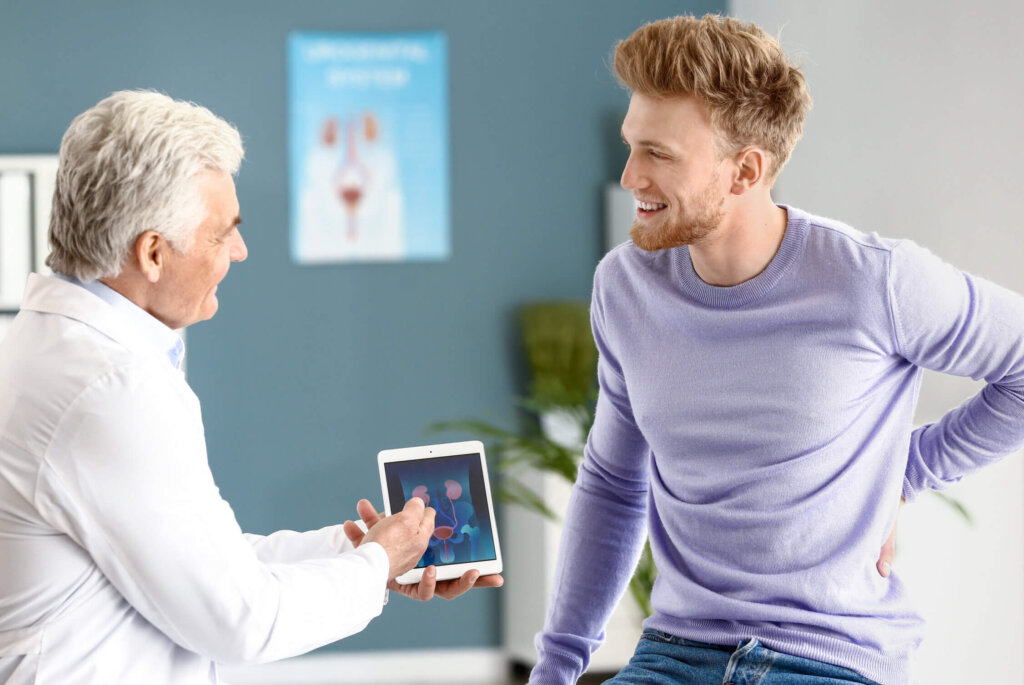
(142, 321)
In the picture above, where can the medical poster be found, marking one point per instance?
(368, 147)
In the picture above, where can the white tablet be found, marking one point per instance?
(451, 478)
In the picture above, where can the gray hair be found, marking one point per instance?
(128, 165)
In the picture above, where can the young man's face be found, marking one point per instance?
(188, 286)
(673, 171)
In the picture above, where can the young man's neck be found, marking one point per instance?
(743, 246)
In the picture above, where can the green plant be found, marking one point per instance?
(560, 352)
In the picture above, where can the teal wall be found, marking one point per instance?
(306, 372)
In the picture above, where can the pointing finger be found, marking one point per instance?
(414, 506)
(427, 523)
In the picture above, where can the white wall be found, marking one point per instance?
(917, 132)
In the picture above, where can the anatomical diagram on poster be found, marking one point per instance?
(368, 147)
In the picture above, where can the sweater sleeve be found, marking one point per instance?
(956, 323)
(604, 526)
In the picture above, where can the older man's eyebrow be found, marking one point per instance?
(236, 222)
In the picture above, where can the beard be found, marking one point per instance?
(691, 228)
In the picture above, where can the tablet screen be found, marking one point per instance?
(454, 487)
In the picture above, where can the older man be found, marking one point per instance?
(119, 561)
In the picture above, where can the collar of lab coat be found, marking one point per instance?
(51, 295)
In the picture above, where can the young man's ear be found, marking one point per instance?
(150, 252)
(751, 169)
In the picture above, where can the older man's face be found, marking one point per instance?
(188, 283)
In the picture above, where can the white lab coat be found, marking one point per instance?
(119, 561)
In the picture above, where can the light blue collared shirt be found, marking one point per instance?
(153, 329)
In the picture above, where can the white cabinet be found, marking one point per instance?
(26, 192)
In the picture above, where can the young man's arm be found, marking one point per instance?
(960, 324)
(604, 527)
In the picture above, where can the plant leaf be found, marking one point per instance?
(473, 426)
(956, 504)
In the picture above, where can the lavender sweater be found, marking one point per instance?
(763, 434)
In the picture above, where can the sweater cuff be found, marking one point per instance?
(556, 668)
(916, 477)
(909, 494)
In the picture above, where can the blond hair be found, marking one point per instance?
(753, 94)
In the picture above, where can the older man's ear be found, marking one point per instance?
(149, 254)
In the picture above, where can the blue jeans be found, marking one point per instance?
(663, 659)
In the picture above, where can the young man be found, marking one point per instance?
(758, 372)
(119, 561)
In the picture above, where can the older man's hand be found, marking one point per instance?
(429, 586)
(404, 535)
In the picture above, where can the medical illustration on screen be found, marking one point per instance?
(454, 487)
